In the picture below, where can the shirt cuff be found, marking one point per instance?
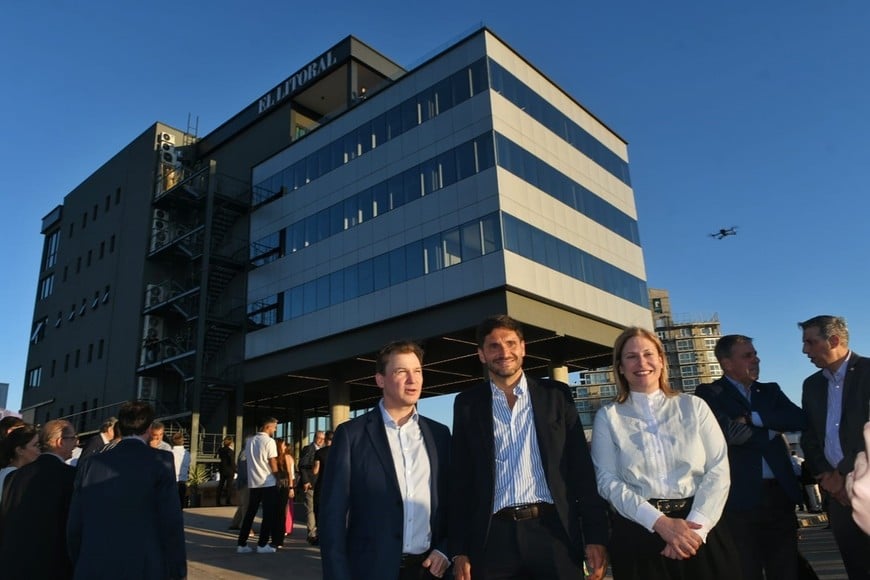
(699, 518)
(756, 419)
(647, 515)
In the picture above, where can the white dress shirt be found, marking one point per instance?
(411, 461)
(653, 446)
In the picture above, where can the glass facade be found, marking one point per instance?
(534, 105)
(424, 106)
(448, 248)
(534, 171)
(543, 248)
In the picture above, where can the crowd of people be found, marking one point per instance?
(673, 485)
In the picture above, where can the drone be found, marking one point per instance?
(724, 232)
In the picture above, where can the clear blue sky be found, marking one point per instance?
(745, 113)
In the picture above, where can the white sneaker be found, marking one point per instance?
(244, 549)
(267, 549)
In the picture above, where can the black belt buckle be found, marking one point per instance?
(519, 513)
(667, 506)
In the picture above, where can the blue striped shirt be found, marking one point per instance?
(519, 471)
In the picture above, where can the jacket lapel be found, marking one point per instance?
(432, 452)
(378, 437)
(546, 422)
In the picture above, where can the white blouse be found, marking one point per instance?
(653, 446)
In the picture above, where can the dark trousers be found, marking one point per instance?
(534, 549)
(182, 493)
(854, 544)
(268, 496)
(225, 488)
(281, 516)
(766, 537)
(413, 569)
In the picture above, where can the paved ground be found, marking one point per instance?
(211, 551)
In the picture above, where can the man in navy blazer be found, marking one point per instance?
(836, 401)
(132, 485)
(523, 499)
(383, 507)
(36, 502)
(764, 488)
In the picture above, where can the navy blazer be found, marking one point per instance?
(360, 522)
(36, 501)
(132, 485)
(856, 398)
(748, 444)
(564, 454)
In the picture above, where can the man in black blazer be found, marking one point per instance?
(759, 513)
(523, 499)
(36, 502)
(836, 401)
(134, 485)
(383, 507)
(99, 441)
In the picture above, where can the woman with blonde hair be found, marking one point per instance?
(662, 462)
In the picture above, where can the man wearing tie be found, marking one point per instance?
(764, 489)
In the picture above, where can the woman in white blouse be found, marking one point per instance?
(662, 462)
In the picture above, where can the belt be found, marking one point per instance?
(412, 560)
(667, 506)
(528, 511)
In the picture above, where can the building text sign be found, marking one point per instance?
(297, 81)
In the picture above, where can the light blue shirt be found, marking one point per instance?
(766, 471)
(519, 470)
(833, 449)
(413, 472)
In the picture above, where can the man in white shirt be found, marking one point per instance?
(383, 508)
(262, 457)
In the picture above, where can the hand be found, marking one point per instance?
(680, 537)
(858, 486)
(741, 419)
(306, 486)
(461, 568)
(596, 561)
(437, 563)
(834, 483)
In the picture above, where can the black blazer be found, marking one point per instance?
(564, 453)
(360, 522)
(33, 520)
(856, 398)
(748, 444)
(135, 485)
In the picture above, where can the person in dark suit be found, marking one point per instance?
(383, 511)
(320, 459)
(523, 496)
(36, 502)
(99, 441)
(137, 483)
(227, 470)
(836, 400)
(760, 511)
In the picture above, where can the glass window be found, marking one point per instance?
(380, 199)
(309, 297)
(381, 271)
(432, 256)
(472, 246)
(336, 288)
(414, 267)
(397, 266)
(50, 252)
(686, 357)
(452, 248)
(46, 287)
(366, 277)
(322, 289)
(684, 345)
(379, 130)
(294, 304)
(351, 282)
(351, 212)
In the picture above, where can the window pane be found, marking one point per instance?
(413, 260)
(432, 254)
(471, 245)
(451, 247)
(397, 266)
(381, 271)
(366, 277)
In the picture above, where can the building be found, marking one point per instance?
(259, 268)
(688, 340)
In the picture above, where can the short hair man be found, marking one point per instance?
(262, 457)
(99, 441)
(388, 470)
(35, 506)
(835, 400)
(307, 479)
(759, 512)
(139, 482)
(227, 470)
(523, 492)
(156, 441)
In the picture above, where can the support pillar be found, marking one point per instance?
(558, 371)
(339, 402)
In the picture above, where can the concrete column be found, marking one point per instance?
(558, 371)
(339, 402)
